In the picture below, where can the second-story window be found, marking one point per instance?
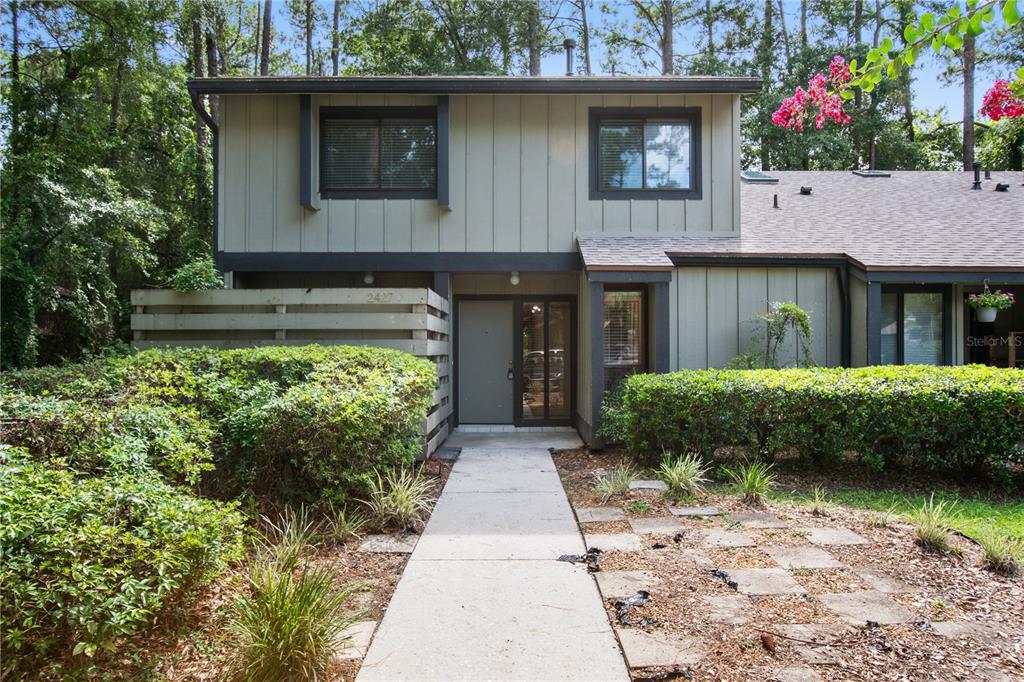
(378, 152)
(645, 153)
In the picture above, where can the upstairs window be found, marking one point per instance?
(378, 153)
(645, 153)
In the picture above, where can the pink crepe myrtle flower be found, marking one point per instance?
(822, 94)
(1002, 102)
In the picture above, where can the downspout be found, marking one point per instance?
(197, 104)
(846, 340)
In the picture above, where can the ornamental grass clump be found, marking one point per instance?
(933, 523)
(685, 476)
(615, 482)
(1000, 553)
(288, 626)
(342, 525)
(286, 538)
(753, 481)
(400, 497)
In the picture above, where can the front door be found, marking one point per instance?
(546, 361)
(486, 360)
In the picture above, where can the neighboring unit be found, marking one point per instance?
(578, 230)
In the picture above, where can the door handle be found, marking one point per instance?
(511, 372)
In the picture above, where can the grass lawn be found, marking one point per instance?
(972, 513)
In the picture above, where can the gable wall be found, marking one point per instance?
(519, 179)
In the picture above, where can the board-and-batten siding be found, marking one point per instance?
(710, 308)
(519, 179)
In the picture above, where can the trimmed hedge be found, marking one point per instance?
(952, 419)
(106, 465)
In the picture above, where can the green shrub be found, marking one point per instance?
(289, 627)
(86, 561)
(937, 418)
(197, 275)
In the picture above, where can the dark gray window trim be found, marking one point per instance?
(691, 114)
(400, 261)
(355, 113)
(596, 360)
(443, 169)
(947, 315)
(308, 197)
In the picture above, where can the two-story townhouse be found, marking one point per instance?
(585, 228)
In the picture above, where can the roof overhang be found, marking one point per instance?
(471, 85)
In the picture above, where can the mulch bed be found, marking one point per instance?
(949, 588)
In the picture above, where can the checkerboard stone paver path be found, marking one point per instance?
(882, 581)
(813, 632)
(718, 538)
(796, 673)
(757, 520)
(859, 608)
(617, 584)
(832, 536)
(763, 581)
(389, 544)
(802, 557)
(694, 511)
(656, 525)
(611, 542)
(645, 650)
(599, 514)
(648, 485)
(359, 635)
(730, 609)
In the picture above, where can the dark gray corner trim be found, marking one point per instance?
(215, 236)
(445, 85)
(596, 357)
(440, 284)
(307, 196)
(443, 161)
(404, 261)
(625, 277)
(662, 332)
(846, 335)
(690, 114)
(874, 322)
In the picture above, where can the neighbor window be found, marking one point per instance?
(645, 153)
(389, 152)
(912, 328)
(624, 342)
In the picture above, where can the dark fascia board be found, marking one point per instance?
(451, 85)
(760, 261)
(400, 262)
(942, 276)
(627, 276)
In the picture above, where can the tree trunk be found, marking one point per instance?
(585, 37)
(309, 37)
(803, 24)
(115, 96)
(785, 37)
(265, 46)
(532, 27)
(906, 11)
(709, 28)
(765, 57)
(256, 41)
(858, 96)
(667, 28)
(968, 58)
(211, 71)
(15, 73)
(335, 39)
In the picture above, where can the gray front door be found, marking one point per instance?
(486, 353)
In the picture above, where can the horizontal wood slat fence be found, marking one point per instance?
(417, 321)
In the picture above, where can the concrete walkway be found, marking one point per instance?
(482, 597)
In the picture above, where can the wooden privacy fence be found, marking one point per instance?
(416, 321)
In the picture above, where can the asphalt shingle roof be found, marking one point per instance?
(913, 220)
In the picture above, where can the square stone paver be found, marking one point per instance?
(987, 633)
(796, 673)
(858, 608)
(731, 609)
(716, 537)
(359, 635)
(883, 582)
(617, 584)
(813, 632)
(612, 542)
(648, 485)
(832, 536)
(802, 557)
(645, 650)
(599, 514)
(389, 544)
(757, 520)
(662, 525)
(694, 511)
(763, 581)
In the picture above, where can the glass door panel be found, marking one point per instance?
(546, 361)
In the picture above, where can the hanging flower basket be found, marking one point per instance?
(988, 303)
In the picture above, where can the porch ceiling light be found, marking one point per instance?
(368, 278)
(513, 278)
